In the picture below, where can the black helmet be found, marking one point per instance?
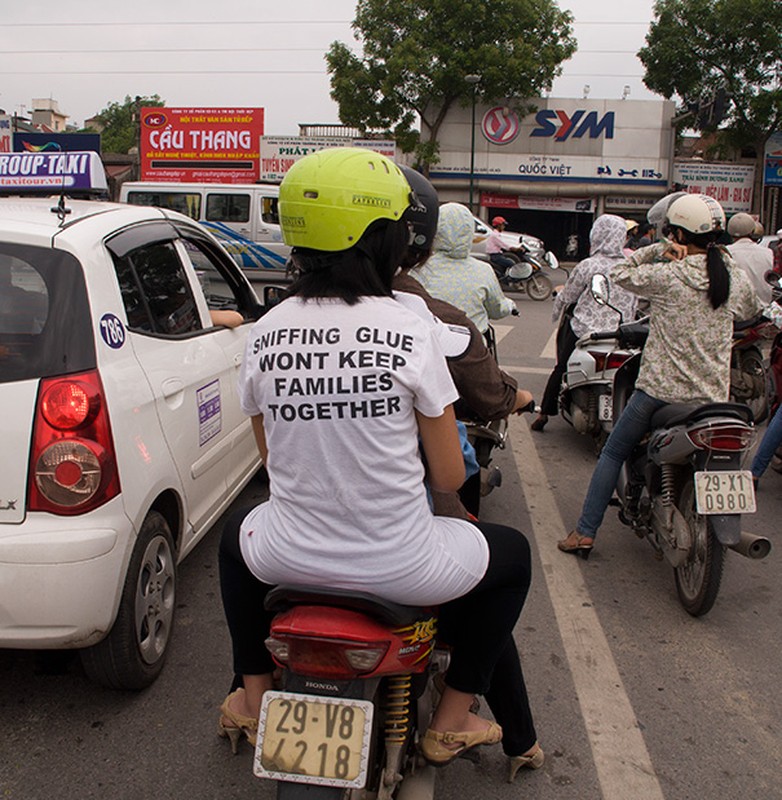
(421, 215)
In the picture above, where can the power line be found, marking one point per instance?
(179, 23)
(167, 50)
(55, 73)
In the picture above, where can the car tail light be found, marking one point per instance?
(722, 437)
(73, 467)
(604, 361)
(326, 658)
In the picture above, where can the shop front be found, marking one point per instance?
(549, 173)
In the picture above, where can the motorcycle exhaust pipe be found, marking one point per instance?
(752, 546)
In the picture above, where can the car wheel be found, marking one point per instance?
(132, 654)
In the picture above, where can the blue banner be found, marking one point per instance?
(56, 142)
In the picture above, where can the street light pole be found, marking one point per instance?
(473, 80)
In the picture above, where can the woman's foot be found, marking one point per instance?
(532, 759)
(577, 544)
(236, 720)
(539, 423)
(441, 747)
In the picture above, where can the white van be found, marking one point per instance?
(242, 216)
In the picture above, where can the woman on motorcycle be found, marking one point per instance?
(453, 275)
(606, 240)
(343, 383)
(695, 291)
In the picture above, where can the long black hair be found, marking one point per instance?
(365, 270)
(716, 269)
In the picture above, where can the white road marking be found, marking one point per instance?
(550, 350)
(527, 370)
(621, 759)
(501, 331)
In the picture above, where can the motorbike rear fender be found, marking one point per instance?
(727, 528)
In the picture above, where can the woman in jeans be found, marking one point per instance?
(695, 291)
(343, 385)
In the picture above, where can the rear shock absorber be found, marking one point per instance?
(668, 485)
(397, 708)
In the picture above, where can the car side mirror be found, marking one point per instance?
(272, 295)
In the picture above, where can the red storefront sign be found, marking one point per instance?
(212, 145)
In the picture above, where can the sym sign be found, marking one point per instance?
(561, 125)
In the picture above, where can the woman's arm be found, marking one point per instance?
(260, 436)
(440, 441)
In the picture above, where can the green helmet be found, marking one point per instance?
(330, 197)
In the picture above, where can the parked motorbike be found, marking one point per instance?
(748, 375)
(587, 397)
(526, 274)
(357, 691)
(683, 488)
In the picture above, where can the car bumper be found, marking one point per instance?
(60, 585)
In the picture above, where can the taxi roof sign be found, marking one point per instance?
(52, 172)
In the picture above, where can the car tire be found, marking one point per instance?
(132, 654)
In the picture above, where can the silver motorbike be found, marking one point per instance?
(684, 488)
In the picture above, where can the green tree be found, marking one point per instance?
(728, 50)
(416, 54)
(119, 124)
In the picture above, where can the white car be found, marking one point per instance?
(123, 436)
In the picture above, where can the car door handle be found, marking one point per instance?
(172, 386)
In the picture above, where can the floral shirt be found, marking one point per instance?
(605, 251)
(452, 275)
(687, 356)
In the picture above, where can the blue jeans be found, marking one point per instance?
(768, 445)
(630, 428)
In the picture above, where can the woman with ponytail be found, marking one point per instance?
(695, 292)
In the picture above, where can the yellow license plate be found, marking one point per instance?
(729, 492)
(310, 739)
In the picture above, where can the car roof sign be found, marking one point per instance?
(71, 173)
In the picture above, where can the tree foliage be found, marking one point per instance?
(416, 54)
(695, 48)
(119, 123)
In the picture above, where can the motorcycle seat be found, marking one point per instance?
(284, 597)
(681, 413)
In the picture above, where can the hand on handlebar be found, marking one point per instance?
(524, 402)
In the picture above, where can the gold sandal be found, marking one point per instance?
(436, 754)
(533, 760)
(575, 543)
(237, 725)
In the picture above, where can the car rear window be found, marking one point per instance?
(45, 326)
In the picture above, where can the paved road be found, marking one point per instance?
(632, 697)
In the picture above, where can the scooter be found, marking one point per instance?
(526, 274)
(748, 375)
(357, 691)
(683, 488)
(587, 397)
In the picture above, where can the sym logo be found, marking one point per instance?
(559, 125)
(500, 125)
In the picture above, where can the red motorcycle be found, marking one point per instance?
(358, 686)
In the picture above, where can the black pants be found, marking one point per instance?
(566, 344)
(478, 627)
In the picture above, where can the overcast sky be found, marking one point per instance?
(87, 53)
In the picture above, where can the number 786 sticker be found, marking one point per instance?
(112, 331)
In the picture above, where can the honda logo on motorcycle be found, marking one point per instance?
(562, 126)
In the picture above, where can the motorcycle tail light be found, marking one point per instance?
(338, 659)
(604, 361)
(725, 438)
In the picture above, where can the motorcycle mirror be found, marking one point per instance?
(600, 289)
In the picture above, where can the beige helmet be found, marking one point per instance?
(741, 224)
(696, 213)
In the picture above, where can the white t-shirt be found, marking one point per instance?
(337, 386)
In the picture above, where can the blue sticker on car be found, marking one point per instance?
(112, 331)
